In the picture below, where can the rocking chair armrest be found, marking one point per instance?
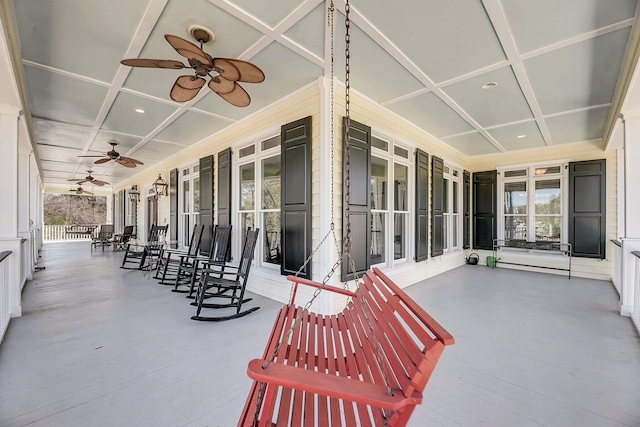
(330, 385)
(233, 270)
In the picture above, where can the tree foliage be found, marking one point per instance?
(65, 209)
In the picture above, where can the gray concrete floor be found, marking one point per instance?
(102, 346)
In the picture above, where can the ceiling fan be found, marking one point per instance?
(114, 155)
(228, 71)
(80, 190)
(90, 180)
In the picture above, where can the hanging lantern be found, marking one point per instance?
(134, 194)
(160, 186)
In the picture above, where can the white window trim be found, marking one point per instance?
(409, 162)
(450, 248)
(181, 214)
(564, 185)
(255, 158)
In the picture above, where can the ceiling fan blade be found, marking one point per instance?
(153, 63)
(96, 155)
(188, 49)
(186, 88)
(126, 163)
(129, 159)
(238, 96)
(98, 182)
(101, 161)
(219, 85)
(238, 70)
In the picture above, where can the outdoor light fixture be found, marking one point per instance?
(160, 186)
(134, 194)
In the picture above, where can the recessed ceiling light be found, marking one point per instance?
(139, 110)
(521, 136)
(489, 85)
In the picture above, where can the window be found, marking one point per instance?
(259, 204)
(452, 198)
(189, 202)
(389, 203)
(533, 202)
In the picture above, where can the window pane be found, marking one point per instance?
(515, 227)
(246, 151)
(378, 143)
(271, 142)
(378, 183)
(515, 173)
(454, 230)
(247, 220)
(548, 197)
(377, 238)
(548, 228)
(547, 171)
(196, 194)
(455, 197)
(247, 187)
(186, 230)
(400, 152)
(445, 195)
(186, 197)
(515, 198)
(400, 173)
(271, 183)
(399, 235)
(445, 232)
(271, 227)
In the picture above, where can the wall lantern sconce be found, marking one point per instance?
(134, 194)
(160, 186)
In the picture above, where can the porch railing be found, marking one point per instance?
(67, 232)
(626, 277)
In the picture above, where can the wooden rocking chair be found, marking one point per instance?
(367, 365)
(170, 259)
(143, 255)
(227, 283)
(190, 267)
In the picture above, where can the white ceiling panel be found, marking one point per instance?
(578, 76)
(372, 70)
(577, 127)
(123, 118)
(444, 38)
(191, 127)
(61, 134)
(472, 143)
(68, 155)
(520, 136)
(504, 103)
(48, 165)
(271, 13)
(156, 150)
(430, 112)
(55, 97)
(309, 31)
(86, 38)
(539, 23)
(101, 142)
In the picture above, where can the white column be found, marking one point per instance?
(9, 240)
(631, 205)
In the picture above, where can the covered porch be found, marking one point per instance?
(99, 345)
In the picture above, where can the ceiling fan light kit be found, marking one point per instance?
(228, 71)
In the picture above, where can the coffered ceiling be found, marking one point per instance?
(555, 65)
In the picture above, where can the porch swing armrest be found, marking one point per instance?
(330, 385)
(307, 282)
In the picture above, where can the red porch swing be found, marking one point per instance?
(367, 365)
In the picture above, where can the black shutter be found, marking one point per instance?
(224, 187)
(123, 200)
(295, 197)
(466, 192)
(587, 208)
(484, 209)
(359, 198)
(437, 206)
(422, 205)
(205, 168)
(173, 208)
